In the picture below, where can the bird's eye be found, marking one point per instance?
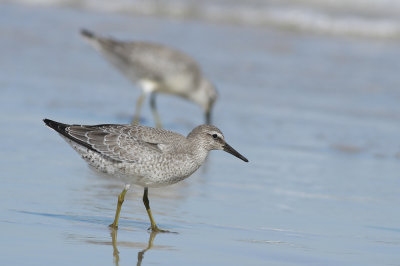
(215, 136)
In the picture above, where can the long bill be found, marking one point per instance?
(232, 151)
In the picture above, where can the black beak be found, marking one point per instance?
(232, 151)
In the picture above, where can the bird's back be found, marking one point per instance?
(172, 70)
(137, 154)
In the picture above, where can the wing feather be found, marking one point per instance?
(122, 142)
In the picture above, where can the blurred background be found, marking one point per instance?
(308, 92)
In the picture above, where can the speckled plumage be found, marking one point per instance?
(156, 68)
(141, 155)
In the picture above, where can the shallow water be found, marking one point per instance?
(316, 116)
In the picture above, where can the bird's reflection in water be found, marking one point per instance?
(149, 246)
(114, 234)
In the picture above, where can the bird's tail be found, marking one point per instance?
(57, 126)
(98, 42)
(87, 34)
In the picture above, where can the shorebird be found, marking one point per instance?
(144, 156)
(156, 68)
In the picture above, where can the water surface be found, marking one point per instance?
(316, 115)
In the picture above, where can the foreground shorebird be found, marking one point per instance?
(156, 68)
(144, 156)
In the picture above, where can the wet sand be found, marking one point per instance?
(317, 116)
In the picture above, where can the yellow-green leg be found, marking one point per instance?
(153, 106)
(139, 103)
(153, 227)
(121, 198)
(208, 117)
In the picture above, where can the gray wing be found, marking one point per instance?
(142, 60)
(119, 142)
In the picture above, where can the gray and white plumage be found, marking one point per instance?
(141, 155)
(156, 68)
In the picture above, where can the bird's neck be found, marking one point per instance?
(199, 153)
(200, 96)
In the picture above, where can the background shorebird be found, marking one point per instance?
(156, 68)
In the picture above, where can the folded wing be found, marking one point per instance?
(117, 142)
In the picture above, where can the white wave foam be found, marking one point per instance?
(367, 18)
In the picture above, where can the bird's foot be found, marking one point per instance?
(113, 226)
(155, 229)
